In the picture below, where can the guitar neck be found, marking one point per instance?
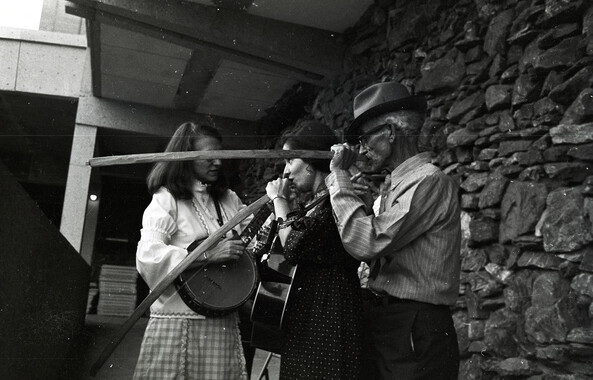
(258, 220)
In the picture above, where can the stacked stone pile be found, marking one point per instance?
(510, 89)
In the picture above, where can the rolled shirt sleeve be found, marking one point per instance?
(369, 237)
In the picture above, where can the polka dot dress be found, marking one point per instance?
(323, 319)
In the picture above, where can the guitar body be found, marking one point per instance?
(269, 305)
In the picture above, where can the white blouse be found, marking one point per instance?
(169, 226)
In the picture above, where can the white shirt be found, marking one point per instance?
(169, 226)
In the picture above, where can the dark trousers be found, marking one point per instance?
(409, 340)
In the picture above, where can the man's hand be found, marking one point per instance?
(344, 157)
(366, 190)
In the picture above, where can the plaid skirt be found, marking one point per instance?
(184, 349)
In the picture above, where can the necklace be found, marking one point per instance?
(202, 211)
(194, 202)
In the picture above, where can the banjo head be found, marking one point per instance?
(218, 289)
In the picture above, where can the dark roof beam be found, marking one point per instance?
(199, 71)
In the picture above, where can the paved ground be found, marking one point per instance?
(120, 365)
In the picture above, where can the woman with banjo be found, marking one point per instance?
(323, 317)
(189, 201)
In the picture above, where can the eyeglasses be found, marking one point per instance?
(364, 138)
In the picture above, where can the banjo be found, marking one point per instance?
(218, 289)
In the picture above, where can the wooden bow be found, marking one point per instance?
(209, 155)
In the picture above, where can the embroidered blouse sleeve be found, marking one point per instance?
(155, 257)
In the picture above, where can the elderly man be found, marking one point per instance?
(411, 241)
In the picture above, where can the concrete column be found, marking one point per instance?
(76, 197)
(90, 223)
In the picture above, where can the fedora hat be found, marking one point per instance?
(381, 98)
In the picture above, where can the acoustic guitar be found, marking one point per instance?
(273, 292)
(269, 305)
(218, 289)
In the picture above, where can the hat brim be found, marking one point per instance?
(415, 103)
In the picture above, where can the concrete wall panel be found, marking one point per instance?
(55, 19)
(9, 55)
(50, 70)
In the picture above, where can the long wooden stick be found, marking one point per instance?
(207, 154)
(171, 276)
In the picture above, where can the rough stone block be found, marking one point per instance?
(541, 260)
(470, 201)
(566, 92)
(582, 152)
(499, 333)
(549, 288)
(479, 166)
(557, 153)
(445, 73)
(572, 172)
(583, 284)
(484, 230)
(552, 80)
(465, 105)
(475, 330)
(516, 296)
(474, 182)
(548, 325)
(556, 353)
(522, 206)
(474, 308)
(498, 97)
(495, 39)
(493, 191)
(565, 54)
(526, 89)
(560, 10)
(487, 154)
(461, 137)
(581, 335)
(464, 155)
(572, 133)
(581, 110)
(532, 174)
(529, 158)
(512, 367)
(565, 227)
(508, 147)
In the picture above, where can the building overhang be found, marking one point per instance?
(228, 58)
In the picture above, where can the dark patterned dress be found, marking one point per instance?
(323, 320)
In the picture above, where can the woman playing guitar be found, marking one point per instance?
(322, 320)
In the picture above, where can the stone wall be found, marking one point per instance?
(510, 95)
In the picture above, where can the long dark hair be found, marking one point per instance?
(311, 135)
(178, 176)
